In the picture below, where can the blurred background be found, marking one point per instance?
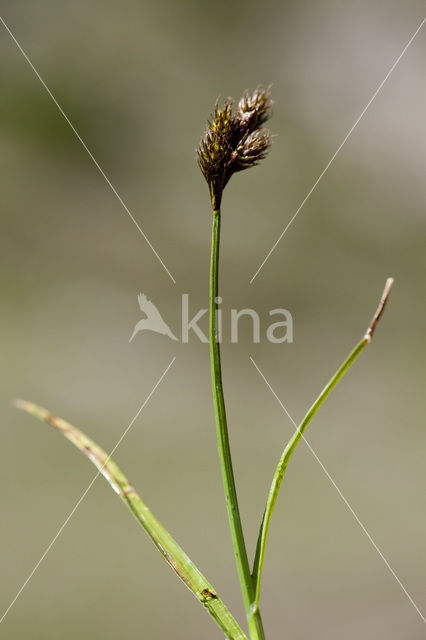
(138, 81)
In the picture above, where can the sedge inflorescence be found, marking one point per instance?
(234, 141)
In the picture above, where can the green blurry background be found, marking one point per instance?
(138, 80)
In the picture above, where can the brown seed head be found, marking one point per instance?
(252, 148)
(254, 109)
(233, 143)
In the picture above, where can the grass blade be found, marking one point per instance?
(294, 440)
(168, 547)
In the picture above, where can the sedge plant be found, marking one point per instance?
(232, 143)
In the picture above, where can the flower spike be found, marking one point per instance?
(233, 143)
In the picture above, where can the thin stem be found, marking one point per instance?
(294, 440)
(243, 567)
(168, 547)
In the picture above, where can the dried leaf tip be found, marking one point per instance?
(382, 304)
(234, 142)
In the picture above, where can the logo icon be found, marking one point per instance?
(153, 320)
(275, 332)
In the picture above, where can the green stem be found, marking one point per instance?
(243, 567)
(168, 547)
(294, 440)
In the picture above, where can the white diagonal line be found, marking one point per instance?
(92, 157)
(52, 542)
(341, 495)
(339, 148)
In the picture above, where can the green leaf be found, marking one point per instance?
(177, 559)
(294, 440)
